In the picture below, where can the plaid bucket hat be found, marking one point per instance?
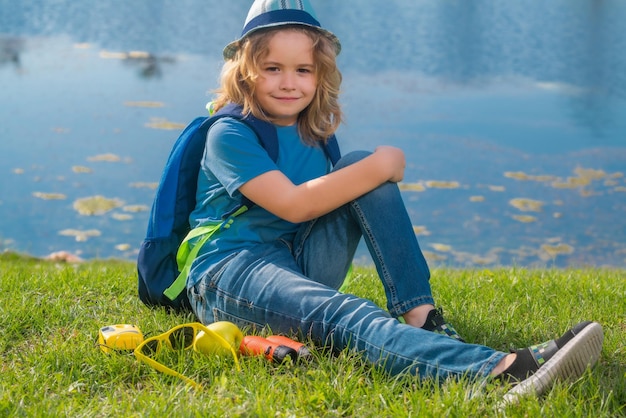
(266, 14)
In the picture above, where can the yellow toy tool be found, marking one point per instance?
(119, 337)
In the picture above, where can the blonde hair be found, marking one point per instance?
(322, 116)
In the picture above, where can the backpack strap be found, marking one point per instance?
(186, 256)
(266, 134)
(264, 130)
(331, 149)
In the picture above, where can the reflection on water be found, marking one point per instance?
(10, 52)
(147, 64)
(512, 115)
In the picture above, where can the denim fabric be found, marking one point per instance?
(325, 246)
(293, 287)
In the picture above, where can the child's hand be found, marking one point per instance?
(392, 160)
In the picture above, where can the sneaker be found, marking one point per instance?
(536, 368)
(436, 323)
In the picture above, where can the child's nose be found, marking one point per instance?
(287, 81)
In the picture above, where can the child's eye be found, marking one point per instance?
(271, 69)
(305, 70)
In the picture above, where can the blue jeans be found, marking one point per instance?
(293, 287)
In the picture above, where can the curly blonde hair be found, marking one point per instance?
(323, 115)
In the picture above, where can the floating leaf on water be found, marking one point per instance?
(462, 257)
(96, 205)
(50, 196)
(617, 175)
(81, 169)
(144, 104)
(590, 173)
(523, 252)
(80, 236)
(526, 205)
(477, 198)
(588, 193)
(411, 187)
(543, 178)
(619, 189)
(435, 184)
(554, 250)
(122, 247)
(144, 184)
(557, 215)
(113, 55)
(111, 158)
(135, 208)
(484, 260)
(497, 188)
(138, 55)
(121, 216)
(160, 123)
(441, 247)
(571, 183)
(432, 257)
(18, 170)
(82, 45)
(421, 230)
(518, 175)
(524, 218)
(60, 130)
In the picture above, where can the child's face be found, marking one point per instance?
(287, 81)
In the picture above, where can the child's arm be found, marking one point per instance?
(277, 194)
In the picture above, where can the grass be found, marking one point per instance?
(50, 315)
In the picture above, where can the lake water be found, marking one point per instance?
(512, 115)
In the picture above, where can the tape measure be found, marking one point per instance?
(119, 337)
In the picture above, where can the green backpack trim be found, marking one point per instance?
(187, 253)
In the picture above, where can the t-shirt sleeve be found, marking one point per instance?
(234, 155)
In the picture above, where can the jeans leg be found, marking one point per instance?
(325, 246)
(264, 286)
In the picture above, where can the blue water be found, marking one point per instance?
(471, 90)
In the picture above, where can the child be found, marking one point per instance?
(280, 264)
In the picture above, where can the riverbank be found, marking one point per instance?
(51, 365)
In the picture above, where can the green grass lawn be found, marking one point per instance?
(51, 365)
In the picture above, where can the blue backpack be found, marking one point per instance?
(164, 257)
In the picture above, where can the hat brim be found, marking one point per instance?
(231, 49)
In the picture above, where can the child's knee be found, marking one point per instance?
(351, 158)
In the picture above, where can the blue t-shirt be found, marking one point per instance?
(233, 156)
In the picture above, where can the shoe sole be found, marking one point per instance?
(570, 362)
